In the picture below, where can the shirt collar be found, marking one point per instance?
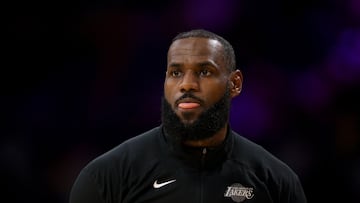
(200, 157)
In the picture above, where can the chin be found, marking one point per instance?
(188, 118)
(188, 121)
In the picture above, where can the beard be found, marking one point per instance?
(207, 124)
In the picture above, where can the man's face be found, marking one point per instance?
(196, 77)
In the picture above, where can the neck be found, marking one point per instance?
(212, 141)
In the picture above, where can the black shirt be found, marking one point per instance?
(153, 167)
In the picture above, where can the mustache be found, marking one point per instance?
(189, 95)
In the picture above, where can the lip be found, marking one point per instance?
(187, 100)
(187, 104)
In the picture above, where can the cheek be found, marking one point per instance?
(214, 91)
(168, 89)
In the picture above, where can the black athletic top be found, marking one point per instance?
(152, 167)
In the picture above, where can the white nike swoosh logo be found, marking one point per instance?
(159, 185)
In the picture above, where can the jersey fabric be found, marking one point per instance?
(154, 167)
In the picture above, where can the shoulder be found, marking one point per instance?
(256, 158)
(114, 169)
(282, 181)
(124, 153)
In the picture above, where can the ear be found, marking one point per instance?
(236, 80)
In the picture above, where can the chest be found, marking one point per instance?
(176, 183)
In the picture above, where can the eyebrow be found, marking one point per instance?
(208, 63)
(200, 64)
(175, 65)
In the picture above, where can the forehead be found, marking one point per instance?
(195, 47)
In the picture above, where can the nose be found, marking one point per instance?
(189, 82)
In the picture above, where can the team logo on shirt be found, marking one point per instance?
(239, 193)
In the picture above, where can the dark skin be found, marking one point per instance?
(196, 65)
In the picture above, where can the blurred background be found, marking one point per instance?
(79, 77)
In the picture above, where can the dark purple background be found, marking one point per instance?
(80, 77)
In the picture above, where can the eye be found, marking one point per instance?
(205, 73)
(175, 73)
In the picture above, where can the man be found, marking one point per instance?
(194, 156)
